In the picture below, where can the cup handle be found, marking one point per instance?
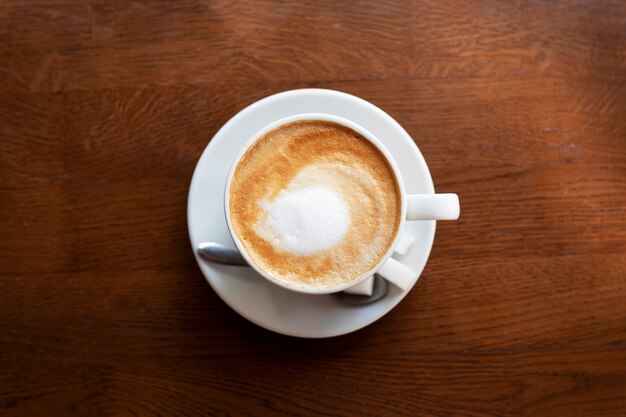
(432, 207)
(397, 273)
(420, 207)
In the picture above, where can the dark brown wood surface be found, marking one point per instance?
(518, 106)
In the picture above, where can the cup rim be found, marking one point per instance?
(328, 118)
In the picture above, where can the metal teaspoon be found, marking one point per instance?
(221, 254)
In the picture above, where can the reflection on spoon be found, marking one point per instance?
(221, 254)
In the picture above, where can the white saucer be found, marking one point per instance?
(246, 292)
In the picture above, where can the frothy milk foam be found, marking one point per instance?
(305, 221)
(314, 204)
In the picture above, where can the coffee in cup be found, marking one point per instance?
(314, 204)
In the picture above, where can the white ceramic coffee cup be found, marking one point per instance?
(413, 207)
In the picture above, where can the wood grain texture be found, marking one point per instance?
(519, 107)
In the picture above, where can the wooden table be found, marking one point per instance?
(519, 107)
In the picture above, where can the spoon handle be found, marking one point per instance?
(220, 254)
